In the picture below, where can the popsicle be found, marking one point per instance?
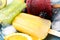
(8, 13)
(33, 25)
(35, 7)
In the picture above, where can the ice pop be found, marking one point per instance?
(8, 13)
(34, 26)
(35, 7)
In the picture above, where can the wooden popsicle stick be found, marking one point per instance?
(54, 32)
(56, 6)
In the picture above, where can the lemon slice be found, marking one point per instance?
(2, 3)
(18, 36)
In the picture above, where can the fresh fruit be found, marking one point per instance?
(18, 36)
(2, 3)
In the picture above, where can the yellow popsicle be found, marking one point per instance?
(32, 25)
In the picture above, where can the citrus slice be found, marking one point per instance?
(18, 36)
(2, 3)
